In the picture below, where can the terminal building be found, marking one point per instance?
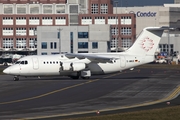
(75, 26)
(157, 16)
(65, 19)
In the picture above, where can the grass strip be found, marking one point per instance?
(169, 113)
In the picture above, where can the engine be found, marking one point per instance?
(76, 66)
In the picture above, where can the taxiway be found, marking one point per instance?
(56, 97)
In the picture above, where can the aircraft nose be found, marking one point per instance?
(6, 71)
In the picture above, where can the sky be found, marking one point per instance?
(131, 3)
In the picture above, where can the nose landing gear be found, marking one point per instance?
(16, 78)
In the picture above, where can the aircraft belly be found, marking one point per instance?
(103, 68)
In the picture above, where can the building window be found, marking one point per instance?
(58, 35)
(82, 51)
(21, 8)
(71, 41)
(33, 43)
(7, 31)
(94, 45)
(126, 31)
(21, 31)
(47, 8)
(126, 42)
(114, 31)
(7, 42)
(20, 42)
(82, 34)
(73, 8)
(55, 45)
(82, 45)
(60, 8)
(44, 53)
(34, 8)
(104, 8)
(94, 8)
(114, 43)
(126, 20)
(165, 48)
(8, 8)
(44, 45)
(51, 45)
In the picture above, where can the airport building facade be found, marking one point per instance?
(19, 20)
(157, 16)
(73, 39)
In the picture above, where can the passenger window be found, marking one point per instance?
(26, 62)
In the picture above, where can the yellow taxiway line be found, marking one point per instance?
(173, 95)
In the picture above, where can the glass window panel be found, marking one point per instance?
(34, 8)
(44, 45)
(94, 45)
(47, 9)
(60, 8)
(8, 9)
(21, 9)
(82, 45)
(83, 35)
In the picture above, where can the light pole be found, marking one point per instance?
(116, 2)
(59, 30)
(168, 44)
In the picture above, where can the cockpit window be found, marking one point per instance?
(18, 62)
(22, 62)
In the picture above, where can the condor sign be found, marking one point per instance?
(146, 14)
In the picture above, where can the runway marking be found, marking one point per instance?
(174, 94)
(170, 97)
(55, 91)
(49, 93)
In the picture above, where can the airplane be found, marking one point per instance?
(76, 65)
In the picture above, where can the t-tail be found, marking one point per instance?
(147, 43)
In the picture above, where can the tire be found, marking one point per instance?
(16, 78)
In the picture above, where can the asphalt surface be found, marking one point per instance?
(61, 97)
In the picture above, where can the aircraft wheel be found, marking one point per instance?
(16, 78)
(85, 77)
(75, 77)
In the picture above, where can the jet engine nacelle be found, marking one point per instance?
(78, 66)
(67, 66)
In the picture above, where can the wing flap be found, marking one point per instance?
(92, 58)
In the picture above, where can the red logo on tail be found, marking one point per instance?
(147, 44)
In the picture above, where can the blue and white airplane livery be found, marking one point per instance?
(86, 64)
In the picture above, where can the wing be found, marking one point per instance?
(92, 57)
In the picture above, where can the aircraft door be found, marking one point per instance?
(122, 61)
(20, 67)
(35, 63)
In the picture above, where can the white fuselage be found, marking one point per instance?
(51, 65)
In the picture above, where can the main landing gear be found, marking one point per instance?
(16, 78)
